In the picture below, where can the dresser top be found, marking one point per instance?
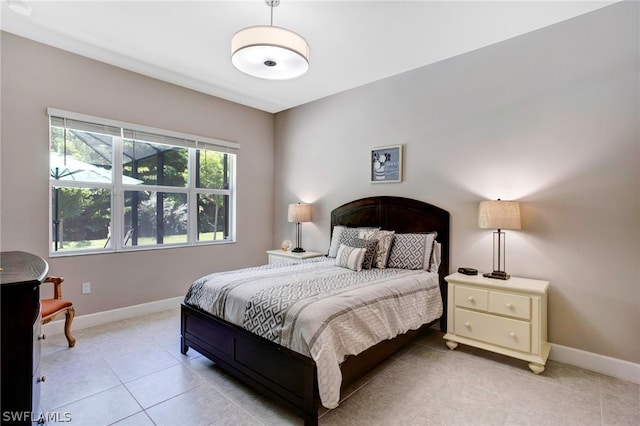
(293, 255)
(514, 283)
(20, 267)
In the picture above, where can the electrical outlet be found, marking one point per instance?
(86, 288)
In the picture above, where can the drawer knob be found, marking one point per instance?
(42, 336)
(512, 334)
(467, 324)
(470, 299)
(509, 305)
(41, 379)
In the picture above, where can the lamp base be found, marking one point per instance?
(298, 250)
(498, 275)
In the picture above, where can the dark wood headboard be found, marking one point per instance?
(402, 215)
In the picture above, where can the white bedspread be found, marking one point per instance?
(321, 310)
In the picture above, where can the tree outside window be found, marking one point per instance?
(162, 191)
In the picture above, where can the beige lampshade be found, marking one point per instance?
(299, 213)
(499, 215)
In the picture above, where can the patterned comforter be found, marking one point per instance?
(321, 310)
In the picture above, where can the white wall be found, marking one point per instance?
(36, 76)
(549, 118)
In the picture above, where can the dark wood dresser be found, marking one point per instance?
(20, 281)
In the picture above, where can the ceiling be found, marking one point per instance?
(352, 43)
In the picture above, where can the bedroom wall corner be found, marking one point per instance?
(550, 118)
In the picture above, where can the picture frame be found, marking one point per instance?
(386, 164)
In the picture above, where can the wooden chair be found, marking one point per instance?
(50, 308)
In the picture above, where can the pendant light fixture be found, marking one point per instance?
(269, 52)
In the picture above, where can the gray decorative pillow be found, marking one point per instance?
(350, 257)
(411, 251)
(349, 236)
(370, 254)
(344, 235)
(385, 239)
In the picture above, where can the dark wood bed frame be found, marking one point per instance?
(288, 377)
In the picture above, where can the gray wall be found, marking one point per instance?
(549, 118)
(34, 77)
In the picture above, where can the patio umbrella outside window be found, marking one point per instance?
(71, 169)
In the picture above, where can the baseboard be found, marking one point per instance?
(91, 320)
(614, 367)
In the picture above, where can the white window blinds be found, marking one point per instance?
(137, 132)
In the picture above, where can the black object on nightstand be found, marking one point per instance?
(468, 271)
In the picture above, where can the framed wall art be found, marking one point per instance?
(386, 164)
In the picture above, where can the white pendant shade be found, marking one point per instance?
(270, 52)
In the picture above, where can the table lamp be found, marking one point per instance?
(299, 213)
(499, 215)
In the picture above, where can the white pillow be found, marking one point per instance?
(436, 257)
(335, 240)
(350, 257)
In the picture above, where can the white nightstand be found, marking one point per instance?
(508, 317)
(278, 256)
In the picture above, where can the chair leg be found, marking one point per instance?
(71, 313)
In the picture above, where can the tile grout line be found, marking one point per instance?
(220, 391)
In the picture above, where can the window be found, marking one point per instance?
(118, 186)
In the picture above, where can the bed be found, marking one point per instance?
(289, 376)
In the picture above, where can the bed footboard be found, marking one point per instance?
(277, 372)
(281, 374)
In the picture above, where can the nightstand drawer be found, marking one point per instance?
(504, 332)
(471, 298)
(510, 304)
(280, 259)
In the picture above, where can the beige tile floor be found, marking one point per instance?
(131, 372)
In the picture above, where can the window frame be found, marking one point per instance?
(191, 142)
